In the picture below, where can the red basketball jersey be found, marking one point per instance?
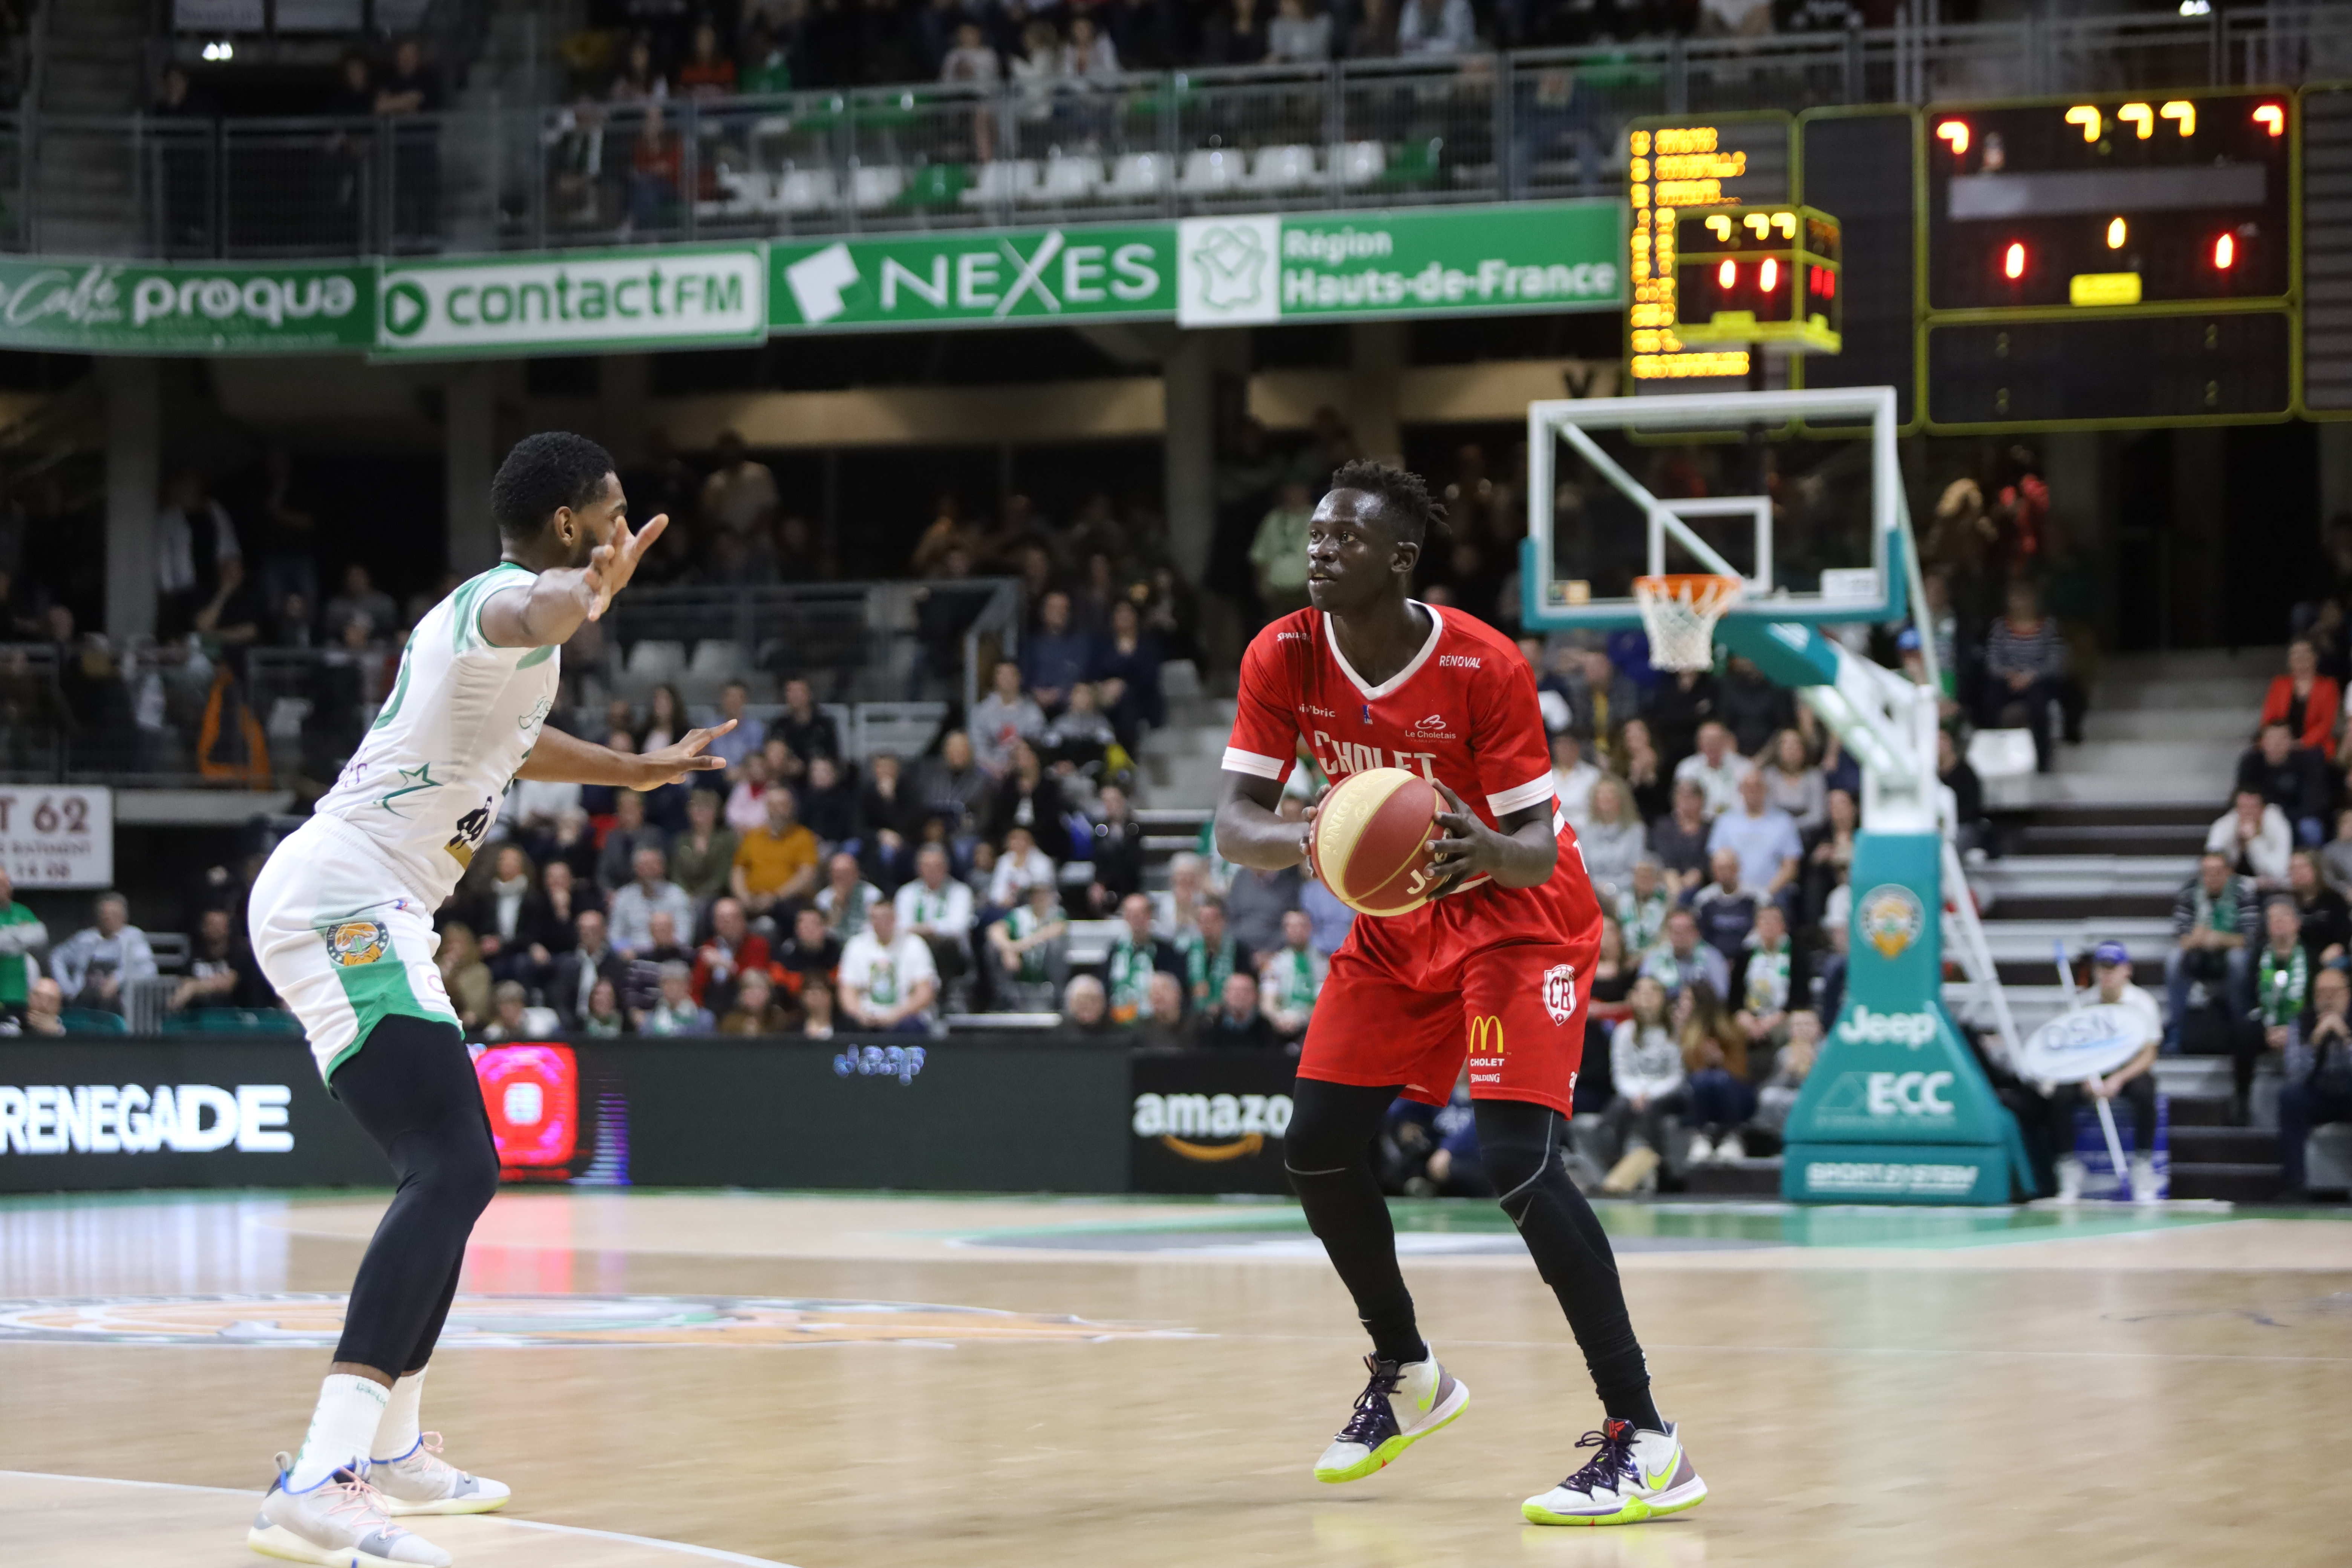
(1463, 712)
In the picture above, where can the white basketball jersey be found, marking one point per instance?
(425, 786)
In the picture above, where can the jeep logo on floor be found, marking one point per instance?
(1243, 1122)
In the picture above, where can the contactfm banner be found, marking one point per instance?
(159, 308)
(671, 297)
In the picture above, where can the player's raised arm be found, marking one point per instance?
(559, 757)
(562, 516)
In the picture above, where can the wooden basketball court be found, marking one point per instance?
(898, 1383)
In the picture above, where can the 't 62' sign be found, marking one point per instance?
(52, 837)
(1909, 1093)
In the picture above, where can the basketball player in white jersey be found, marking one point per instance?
(341, 920)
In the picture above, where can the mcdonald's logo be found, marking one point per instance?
(1484, 1032)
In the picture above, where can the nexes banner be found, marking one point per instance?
(1240, 270)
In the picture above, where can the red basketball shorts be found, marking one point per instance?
(1475, 976)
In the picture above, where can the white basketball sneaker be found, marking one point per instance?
(1637, 1475)
(1399, 1406)
(2070, 1179)
(340, 1523)
(2144, 1187)
(421, 1481)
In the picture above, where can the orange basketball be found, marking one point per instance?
(1372, 845)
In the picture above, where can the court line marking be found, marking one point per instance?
(1832, 1350)
(712, 1553)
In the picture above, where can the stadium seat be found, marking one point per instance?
(903, 729)
(1069, 180)
(656, 658)
(1361, 163)
(935, 185)
(806, 191)
(1285, 168)
(1211, 171)
(1137, 177)
(872, 185)
(1089, 941)
(1010, 180)
(720, 658)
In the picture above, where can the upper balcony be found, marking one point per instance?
(1359, 133)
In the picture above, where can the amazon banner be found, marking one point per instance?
(1209, 1122)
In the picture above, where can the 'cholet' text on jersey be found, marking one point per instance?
(1462, 712)
(425, 786)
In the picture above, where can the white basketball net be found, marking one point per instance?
(1679, 613)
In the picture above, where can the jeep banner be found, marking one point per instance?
(1525, 256)
(670, 297)
(976, 278)
(1210, 1121)
(194, 307)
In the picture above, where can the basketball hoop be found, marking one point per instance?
(1679, 611)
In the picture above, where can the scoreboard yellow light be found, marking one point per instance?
(1764, 275)
(1671, 168)
(2041, 205)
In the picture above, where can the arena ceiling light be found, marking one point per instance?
(220, 49)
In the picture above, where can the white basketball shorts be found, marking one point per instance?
(343, 942)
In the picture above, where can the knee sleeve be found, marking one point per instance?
(1518, 1148)
(1332, 1125)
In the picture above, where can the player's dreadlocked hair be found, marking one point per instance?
(545, 471)
(1403, 495)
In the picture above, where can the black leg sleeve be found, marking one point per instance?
(1328, 1153)
(412, 1088)
(1522, 1143)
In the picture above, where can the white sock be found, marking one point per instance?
(349, 1409)
(397, 1433)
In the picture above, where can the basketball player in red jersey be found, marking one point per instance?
(1495, 967)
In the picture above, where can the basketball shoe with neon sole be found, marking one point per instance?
(338, 1523)
(422, 1481)
(1399, 1406)
(1637, 1475)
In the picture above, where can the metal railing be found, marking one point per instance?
(1361, 133)
(174, 716)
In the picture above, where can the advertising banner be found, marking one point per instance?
(56, 836)
(198, 308)
(1437, 261)
(670, 297)
(978, 278)
(96, 1111)
(1210, 1121)
(1896, 1109)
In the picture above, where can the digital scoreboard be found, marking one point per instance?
(2110, 260)
(2110, 200)
(1673, 165)
(1768, 275)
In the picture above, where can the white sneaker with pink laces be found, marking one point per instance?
(422, 1481)
(340, 1523)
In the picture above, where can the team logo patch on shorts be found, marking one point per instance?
(358, 941)
(1560, 991)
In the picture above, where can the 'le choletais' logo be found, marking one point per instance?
(1892, 918)
(355, 942)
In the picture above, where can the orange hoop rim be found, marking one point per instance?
(1689, 584)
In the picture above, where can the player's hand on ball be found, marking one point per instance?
(674, 762)
(1470, 848)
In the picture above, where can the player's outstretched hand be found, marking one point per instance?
(686, 755)
(1470, 848)
(612, 565)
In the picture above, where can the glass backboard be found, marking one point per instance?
(1812, 521)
